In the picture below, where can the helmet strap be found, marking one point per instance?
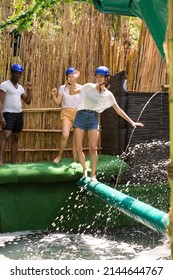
(107, 80)
(102, 84)
(100, 87)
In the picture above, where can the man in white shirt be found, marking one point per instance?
(11, 116)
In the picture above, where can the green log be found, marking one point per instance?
(141, 212)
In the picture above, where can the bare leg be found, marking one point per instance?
(74, 150)
(93, 141)
(14, 146)
(63, 142)
(6, 134)
(78, 136)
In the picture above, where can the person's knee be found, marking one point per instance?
(79, 150)
(65, 136)
(5, 137)
(15, 138)
(93, 149)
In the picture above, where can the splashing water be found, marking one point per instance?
(144, 148)
(148, 163)
(122, 244)
(88, 241)
(85, 243)
(138, 119)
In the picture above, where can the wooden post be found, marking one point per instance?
(170, 67)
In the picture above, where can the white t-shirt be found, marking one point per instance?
(12, 102)
(69, 101)
(93, 100)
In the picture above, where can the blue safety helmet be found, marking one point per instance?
(17, 68)
(102, 70)
(70, 70)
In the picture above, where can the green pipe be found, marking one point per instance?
(139, 211)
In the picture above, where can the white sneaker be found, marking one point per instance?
(74, 165)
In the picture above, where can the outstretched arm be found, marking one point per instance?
(73, 90)
(121, 113)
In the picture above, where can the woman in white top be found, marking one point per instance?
(95, 98)
(69, 106)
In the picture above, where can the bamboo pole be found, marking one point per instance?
(170, 166)
(42, 109)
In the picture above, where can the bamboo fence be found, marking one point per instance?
(85, 45)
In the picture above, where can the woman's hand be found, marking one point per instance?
(135, 124)
(54, 91)
(76, 74)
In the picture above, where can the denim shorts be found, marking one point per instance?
(86, 120)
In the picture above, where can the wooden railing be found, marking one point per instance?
(40, 138)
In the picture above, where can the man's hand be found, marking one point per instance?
(3, 122)
(29, 85)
